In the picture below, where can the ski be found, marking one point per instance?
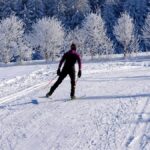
(45, 97)
(78, 97)
(69, 99)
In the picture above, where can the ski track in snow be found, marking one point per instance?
(113, 117)
(138, 133)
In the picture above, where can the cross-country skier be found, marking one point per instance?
(69, 59)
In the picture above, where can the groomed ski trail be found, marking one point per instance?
(22, 93)
(133, 141)
(102, 120)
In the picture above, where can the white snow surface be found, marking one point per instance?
(111, 112)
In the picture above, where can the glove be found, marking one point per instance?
(79, 73)
(58, 72)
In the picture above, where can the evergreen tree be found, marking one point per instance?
(2, 3)
(72, 12)
(109, 17)
(146, 32)
(96, 5)
(137, 9)
(34, 10)
(6, 8)
(51, 7)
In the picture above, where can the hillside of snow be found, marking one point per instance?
(112, 111)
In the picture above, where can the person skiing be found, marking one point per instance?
(69, 59)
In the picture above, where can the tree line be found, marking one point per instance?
(50, 38)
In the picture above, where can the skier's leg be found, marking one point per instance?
(73, 84)
(56, 84)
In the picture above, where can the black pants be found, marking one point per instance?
(64, 73)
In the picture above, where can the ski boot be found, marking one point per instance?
(48, 95)
(73, 97)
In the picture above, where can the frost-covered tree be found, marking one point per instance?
(124, 32)
(76, 36)
(48, 34)
(24, 50)
(146, 31)
(82, 6)
(134, 46)
(12, 42)
(138, 10)
(73, 12)
(96, 39)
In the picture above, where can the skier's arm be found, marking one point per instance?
(79, 61)
(79, 64)
(61, 61)
(60, 64)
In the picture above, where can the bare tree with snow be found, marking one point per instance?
(97, 41)
(146, 31)
(137, 9)
(76, 36)
(12, 40)
(124, 32)
(48, 33)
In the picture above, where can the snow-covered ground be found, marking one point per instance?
(111, 113)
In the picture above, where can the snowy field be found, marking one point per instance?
(112, 111)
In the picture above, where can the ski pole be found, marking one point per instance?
(77, 80)
(51, 81)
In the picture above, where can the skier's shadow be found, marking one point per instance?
(53, 100)
(107, 97)
(90, 98)
(115, 96)
(86, 79)
(34, 101)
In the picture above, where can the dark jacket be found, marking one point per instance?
(69, 59)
